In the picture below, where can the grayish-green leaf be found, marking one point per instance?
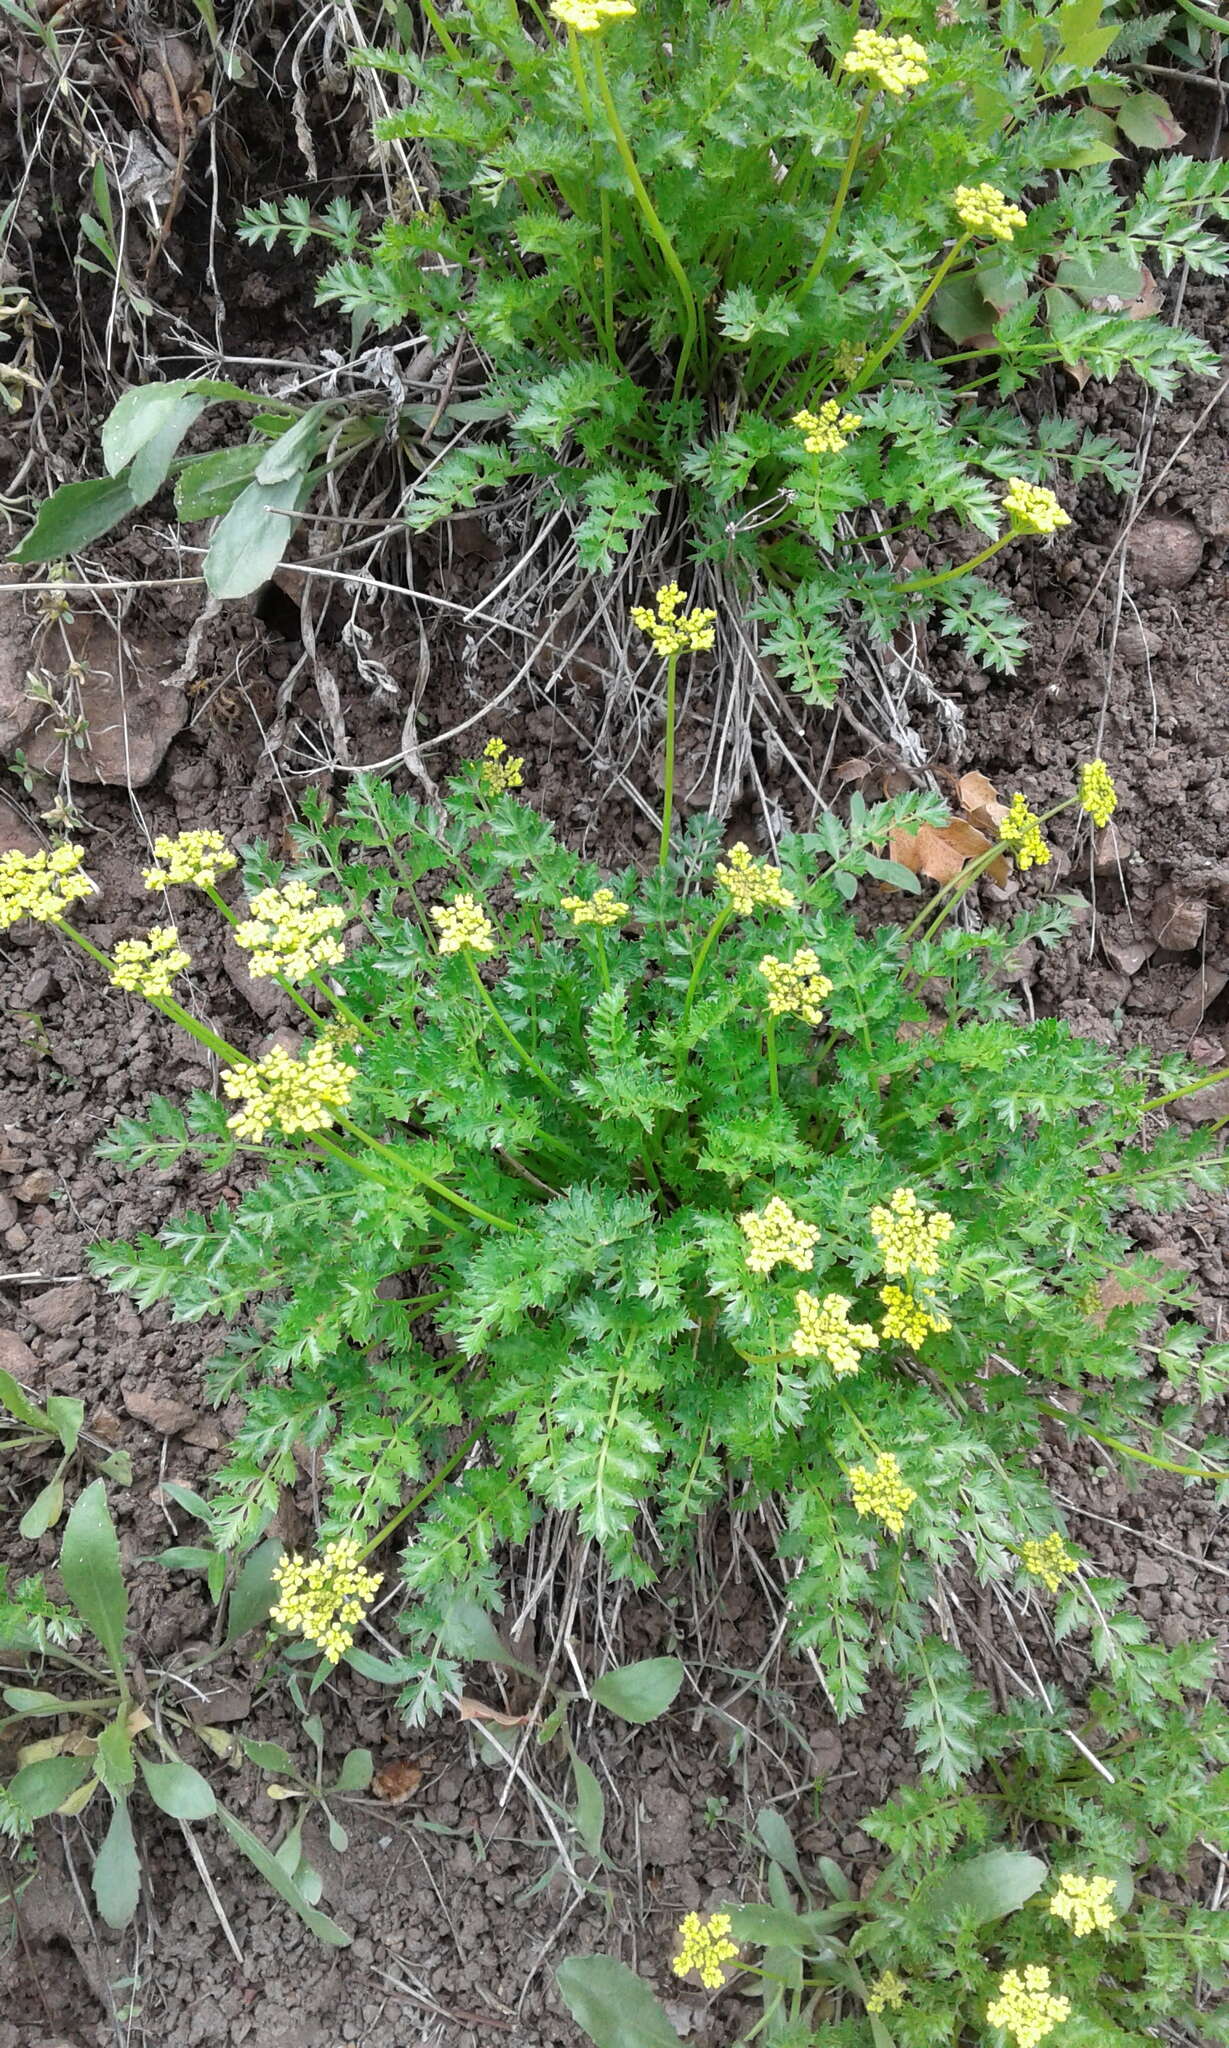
(41, 1787)
(613, 2006)
(178, 1789)
(252, 537)
(985, 1887)
(640, 1692)
(589, 1816)
(73, 516)
(356, 1771)
(90, 1570)
(44, 1511)
(117, 1870)
(266, 1863)
(254, 1593)
(777, 1839)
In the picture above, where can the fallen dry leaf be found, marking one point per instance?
(396, 1783)
(477, 1710)
(975, 789)
(939, 852)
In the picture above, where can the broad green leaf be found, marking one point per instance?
(356, 1771)
(178, 1789)
(834, 1877)
(959, 308)
(44, 1511)
(640, 1692)
(117, 1870)
(613, 2006)
(1106, 274)
(589, 1816)
(186, 1557)
(184, 1497)
(136, 418)
(1101, 148)
(253, 1594)
(14, 1397)
(338, 1838)
(40, 1788)
(250, 540)
(90, 1570)
(150, 468)
(24, 1701)
(266, 1863)
(773, 1927)
(777, 1839)
(1146, 119)
(467, 1631)
(269, 1756)
(116, 1763)
(378, 1669)
(66, 1415)
(73, 516)
(292, 452)
(208, 485)
(985, 1887)
(1205, 16)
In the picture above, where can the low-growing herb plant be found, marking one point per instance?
(692, 249)
(1037, 1907)
(635, 1197)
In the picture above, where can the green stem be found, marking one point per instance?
(406, 1166)
(667, 805)
(960, 568)
(770, 1043)
(424, 1493)
(525, 1057)
(915, 312)
(586, 102)
(1178, 1094)
(1115, 1443)
(838, 203)
(343, 1009)
(603, 965)
(714, 931)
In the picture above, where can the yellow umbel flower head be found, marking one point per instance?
(463, 925)
(1026, 2008)
(887, 1990)
(881, 1491)
(827, 431)
(705, 1946)
(1020, 833)
(291, 933)
(148, 966)
(1032, 508)
(602, 908)
(825, 1331)
(909, 1236)
(1097, 793)
(196, 857)
(907, 1318)
(1085, 1903)
(289, 1095)
(41, 886)
(796, 988)
(499, 771)
(749, 883)
(588, 16)
(983, 210)
(894, 63)
(776, 1237)
(672, 630)
(1050, 1561)
(325, 1597)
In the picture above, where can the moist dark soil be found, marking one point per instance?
(457, 1899)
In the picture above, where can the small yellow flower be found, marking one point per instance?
(291, 933)
(1032, 508)
(1097, 793)
(705, 1946)
(602, 908)
(1020, 833)
(1050, 1561)
(325, 1598)
(148, 966)
(198, 857)
(881, 1492)
(1085, 1903)
(749, 883)
(797, 987)
(907, 1318)
(827, 431)
(887, 1990)
(288, 1094)
(41, 886)
(909, 1236)
(1026, 2008)
(672, 634)
(894, 63)
(984, 211)
(463, 925)
(777, 1237)
(588, 16)
(825, 1331)
(499, 771)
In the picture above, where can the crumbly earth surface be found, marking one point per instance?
(457, 1899)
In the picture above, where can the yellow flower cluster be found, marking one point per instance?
(825, 1331)
(1020, 833)
(749, 883)
(1049, 1561)
(198, 857)
(692, 633)
(983, 210)
(706, 1945)
(906, 1317)
(602, 908)
(588, 16)
(463, 924)
(887, 1990)
(909, 1236)
(291, 1095)
(499, 771)
(796, 988)
(1085, 1903)
(1026, 2008)
(41, 885)
(148, 966)
(324, 1597)
(894, 62)
(1097, 793)
(291, 933)
(881, 1492)
(827, 431)
(777, 1237)
(1032, 508)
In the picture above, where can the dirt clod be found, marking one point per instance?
(1177, 920)
(1165, 553)
(61, 1307)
